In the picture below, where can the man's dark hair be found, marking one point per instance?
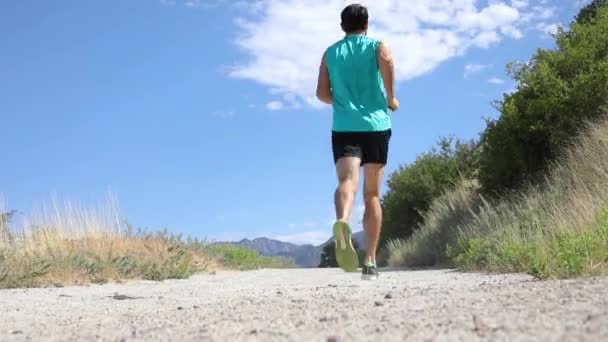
(354, 18)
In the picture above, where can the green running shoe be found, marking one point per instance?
(369, 272)
(346, 256)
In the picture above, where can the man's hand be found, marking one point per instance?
(393, 104)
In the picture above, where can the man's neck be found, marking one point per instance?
(357, 33)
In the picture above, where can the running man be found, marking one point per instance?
(353, 74)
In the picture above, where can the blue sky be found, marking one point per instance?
(199, 116)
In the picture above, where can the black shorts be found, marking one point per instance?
(370, 147)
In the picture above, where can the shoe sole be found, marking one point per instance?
(369, 277)
(346, 256)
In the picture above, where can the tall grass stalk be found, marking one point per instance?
(68, 244)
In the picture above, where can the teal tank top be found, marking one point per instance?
(359, 103)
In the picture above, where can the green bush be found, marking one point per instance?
(562, 254)
(244, 258)
(544, 181)
(590, 11)
(555, 229)
(428, 245)
(412, 188)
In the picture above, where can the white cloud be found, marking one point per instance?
(284, 40)
(512, 32)
(542, 15)
(547, 29)
(496, 80)
(314, 237)
(307, 225)
(539, 12)
(275, 105)
(544, 12)
(472, 68)
(251, 6)
(485, 39)
(289, 102)
(520, 3)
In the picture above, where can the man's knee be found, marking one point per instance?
(371, 195)
(347, 186)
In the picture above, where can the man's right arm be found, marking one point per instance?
(323, 84)
(387, 70)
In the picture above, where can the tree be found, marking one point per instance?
(558, 91)
(412, 187)
(590, 11)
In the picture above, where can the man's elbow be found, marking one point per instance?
(319, 95)
(323, 97)
(387, 64)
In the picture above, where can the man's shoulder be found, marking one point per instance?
(372, 39)
(335, 45)
(375, 41)
(341, 42)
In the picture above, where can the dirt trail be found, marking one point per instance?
(313, 305)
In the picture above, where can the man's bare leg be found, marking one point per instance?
(347, 169)
(372, 218)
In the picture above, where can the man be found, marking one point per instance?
(353, 73)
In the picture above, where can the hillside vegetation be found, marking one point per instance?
(65, 246)
(556, 229)
(530, 194)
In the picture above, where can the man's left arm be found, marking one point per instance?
(323, 85)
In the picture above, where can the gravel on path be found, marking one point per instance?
(313, 305)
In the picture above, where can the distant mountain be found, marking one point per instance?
(268, 246)
(359, 238)
(303, 255)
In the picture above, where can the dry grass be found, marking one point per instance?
(71, 245)
(556, 229)
(428, 245)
